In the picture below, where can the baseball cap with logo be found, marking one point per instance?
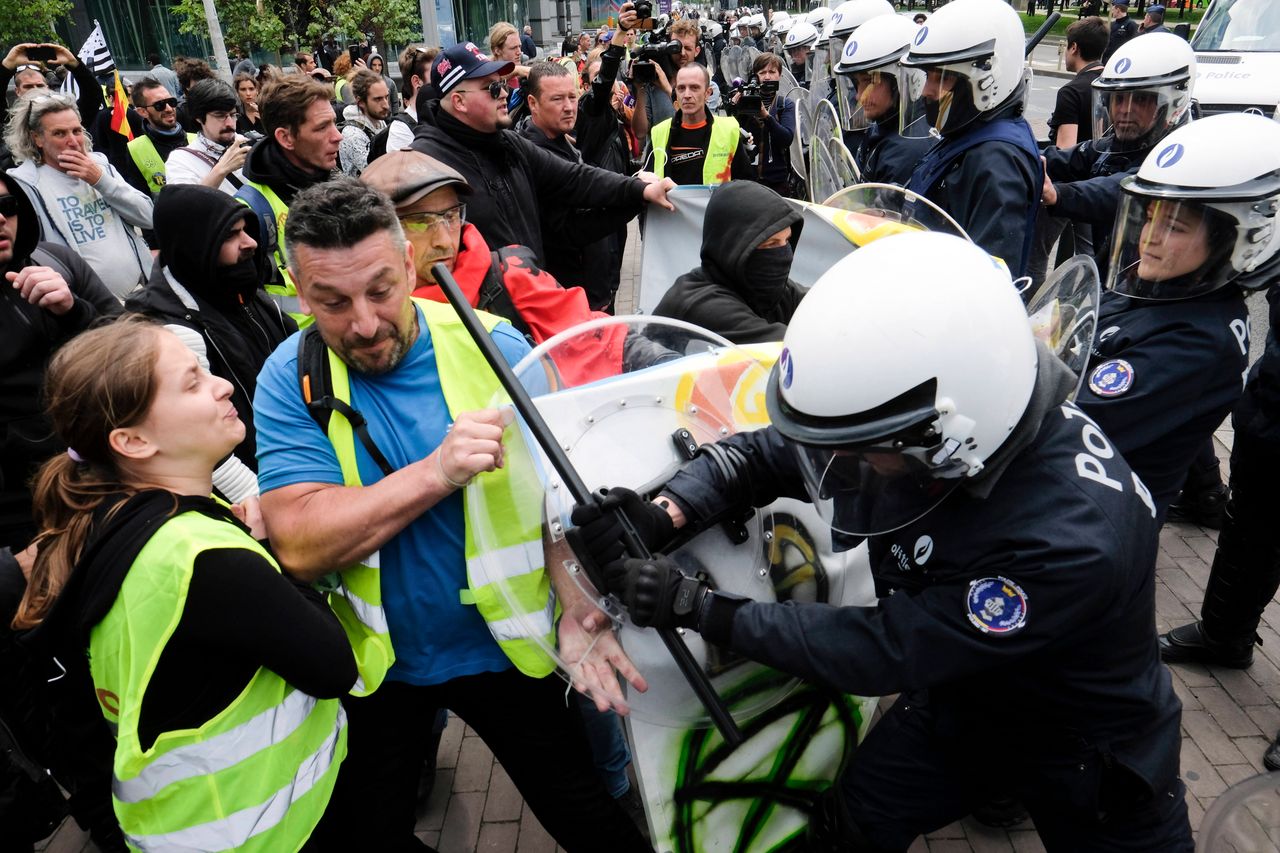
(464, 62)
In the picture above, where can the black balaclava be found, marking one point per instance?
(191, 223)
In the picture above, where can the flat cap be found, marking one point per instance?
(407, 176)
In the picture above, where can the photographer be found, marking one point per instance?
(215, 157)
(653, 69)
(25, 66)
(770, 119)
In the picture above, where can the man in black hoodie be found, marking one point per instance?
(742, 290)
(468, 128)
(207, 288)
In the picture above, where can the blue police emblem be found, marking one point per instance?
(1123, 65)
(851, 48)
(1111, 378)
(1170, 155)
(920, 36)
(787, 368)
(996, 605)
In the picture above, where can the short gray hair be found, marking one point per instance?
(25, 116)
(337, 214)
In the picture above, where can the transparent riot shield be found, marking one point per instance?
(819, 75)
(885, 209)
(1244, 819)
(804, 128)
(1064, 313)
(736, 62)
(831, 167)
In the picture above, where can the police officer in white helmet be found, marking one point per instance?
(985, 168)
(1018, 545)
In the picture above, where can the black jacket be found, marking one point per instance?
(598, 133)
(266, 164)
(887, 157)
(504, 169)
(1258, 412)
(1121, 31)
(721, 295)
(30, 337)
(240, 324)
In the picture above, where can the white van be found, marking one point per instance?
(1238, 57)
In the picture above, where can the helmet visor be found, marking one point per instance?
(935, 100)
(1137, 118)
(1169, 249)
(865, 491)
(852, 115)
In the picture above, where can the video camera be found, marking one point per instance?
(643, 58)
(644, 14)
(755, 96)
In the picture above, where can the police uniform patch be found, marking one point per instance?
(1111, 378)
(996, 605)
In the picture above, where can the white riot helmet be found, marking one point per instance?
(851, 14)
(756, 22)
(869, 70)
(711, 30)
(780, 23)
(880, 452)
(803, 34)
(819, 17)
(977, 48)
(1200, 214)
(1144, 91)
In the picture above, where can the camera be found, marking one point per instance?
(643, 58)
(754, 96)
(252, 136)
(644, 14)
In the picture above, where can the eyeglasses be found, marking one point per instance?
(497, 89)
(8, 205)
(219, 115)
(162, 105)
(453, 217)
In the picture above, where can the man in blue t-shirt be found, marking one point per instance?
(354, 271)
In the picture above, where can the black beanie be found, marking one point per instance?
(191, 222)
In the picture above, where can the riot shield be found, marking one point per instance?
(736, 61)
(827, 168)
(804, 123)
(888, 208)
(628, 399)
(1064, 313)
(1245, 818)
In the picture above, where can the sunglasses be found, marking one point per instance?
(452, 218)
(162, 105)
(8, 205)
(497, 89)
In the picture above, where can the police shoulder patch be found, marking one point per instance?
(1111, 378)
(996, 605)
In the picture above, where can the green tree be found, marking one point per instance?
(276, 25)
(394, 21)
(30, 20)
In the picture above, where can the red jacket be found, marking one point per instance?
(545, 307)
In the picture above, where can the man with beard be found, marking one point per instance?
(301, 149)
(161, 135)
(215, 157)
(742, 290)
(207, 288)
(385, 505)
(511, 179)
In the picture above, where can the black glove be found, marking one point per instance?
(596, 536)
(656, 593)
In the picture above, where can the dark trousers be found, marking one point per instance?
(906, 779)
(539, 740)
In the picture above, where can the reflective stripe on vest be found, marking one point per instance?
(285, 295)
(256, 777)
(513, 556)
(145, 155)
(716, 165)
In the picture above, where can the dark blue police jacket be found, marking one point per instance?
(1163, 376)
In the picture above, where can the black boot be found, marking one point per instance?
(1203, 508)
(1243, 579)
(1271, 759)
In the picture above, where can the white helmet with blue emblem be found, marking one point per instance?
(851, 14)
(871, 58)
(1200, 214)
(801, 35)
(976, 49)
(1144, 91)
(923, 416)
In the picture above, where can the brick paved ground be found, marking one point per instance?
(1227, 721)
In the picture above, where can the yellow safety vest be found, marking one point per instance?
(149, 162)
(720, 148)
(257, 777)
(285, 295)
(505, 552)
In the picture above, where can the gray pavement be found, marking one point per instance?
(1229, 716)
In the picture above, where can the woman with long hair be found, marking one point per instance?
(248, 116)
(217, 675)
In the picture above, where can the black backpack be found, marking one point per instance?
(378, 145)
